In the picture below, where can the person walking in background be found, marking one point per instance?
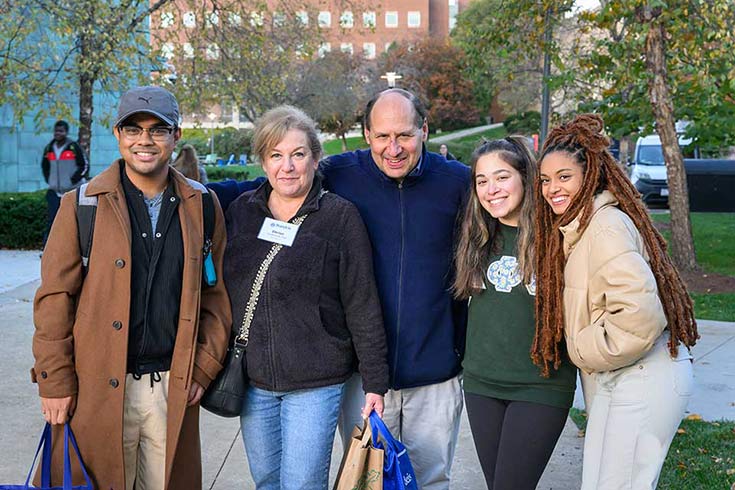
(444, 151)
(64, 166)
(309, 306)
(187, 162)
(606, 284)
(515, 414)
(127, 342)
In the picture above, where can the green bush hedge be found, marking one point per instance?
(22, 219)
(236, 172)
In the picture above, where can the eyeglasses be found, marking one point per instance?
(158, 133)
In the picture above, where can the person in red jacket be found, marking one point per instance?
(65, 167)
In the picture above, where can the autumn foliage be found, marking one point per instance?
(433, 70)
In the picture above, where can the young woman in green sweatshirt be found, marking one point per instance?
(515, 414)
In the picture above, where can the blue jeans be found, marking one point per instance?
(288, 436)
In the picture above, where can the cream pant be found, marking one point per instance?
(633, 415)
(144, 432)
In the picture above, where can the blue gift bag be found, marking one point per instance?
(45, 445)
(397, 470)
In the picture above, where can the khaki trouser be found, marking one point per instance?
(633, 414)
(144, 432)
(425, 419)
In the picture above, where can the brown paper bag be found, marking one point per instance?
(362, 464)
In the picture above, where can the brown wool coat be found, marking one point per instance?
(81, 338)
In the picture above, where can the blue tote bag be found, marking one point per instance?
(397, 470)
(45, 446)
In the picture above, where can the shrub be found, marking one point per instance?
(526, 123)
(236, 172)
(22, 219)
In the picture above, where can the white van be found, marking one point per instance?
(648, 170)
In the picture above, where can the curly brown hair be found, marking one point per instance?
(583, 141)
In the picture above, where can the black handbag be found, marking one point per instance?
(225, 396)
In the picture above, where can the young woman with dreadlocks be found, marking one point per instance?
(515, 414)
(607, 285)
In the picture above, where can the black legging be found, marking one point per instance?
(514, 440)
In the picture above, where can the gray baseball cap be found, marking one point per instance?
(155, 101)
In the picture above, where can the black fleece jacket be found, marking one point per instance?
(318, 311)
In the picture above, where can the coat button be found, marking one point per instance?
(114, 383)
(117, 324)
(119, 263)
(44, 374)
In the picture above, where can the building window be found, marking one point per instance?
(188, 50)
(235, 19)
(212, 52)
(167, 50)
(167, 20)
(324, 48)
(279, 19)
(368, 50)
(368, 20)
(256, 19)
(190, 19)
(325, 19)
(453, 11)
(414, 19)
(303, 17)
(391, 19)
(212, 19)
(347, 20)
(346, 48)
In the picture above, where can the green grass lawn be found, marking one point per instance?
(713, 243)
(334, 147)
(702, 455)
(462, 148)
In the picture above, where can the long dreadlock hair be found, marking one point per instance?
(479, 232)
(583, 141)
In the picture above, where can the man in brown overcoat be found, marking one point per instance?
(127, 349)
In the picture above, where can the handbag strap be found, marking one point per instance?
(244, 334)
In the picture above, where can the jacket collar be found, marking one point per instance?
(572, 232)
(109, 180)
(311, 203)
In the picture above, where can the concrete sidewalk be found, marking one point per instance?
(224, 463)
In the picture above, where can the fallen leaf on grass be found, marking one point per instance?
(702, 450)
(681, 431)
(716, 459)
(580, 433)
(730, 472)
(694, 416)
(681, 465)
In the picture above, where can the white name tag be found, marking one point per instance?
(278, 232)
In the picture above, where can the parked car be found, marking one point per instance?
(648, 170)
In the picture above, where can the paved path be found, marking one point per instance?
(224, 463)
(461, 134)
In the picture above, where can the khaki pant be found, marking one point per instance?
(425, 419)
(633, 414)
(144, 432)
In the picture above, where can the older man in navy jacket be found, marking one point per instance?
(410, 200)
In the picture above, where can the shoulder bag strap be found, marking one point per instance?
(243, 335)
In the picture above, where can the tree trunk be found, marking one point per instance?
(86, 105)
(682, 244)
(344, 142)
